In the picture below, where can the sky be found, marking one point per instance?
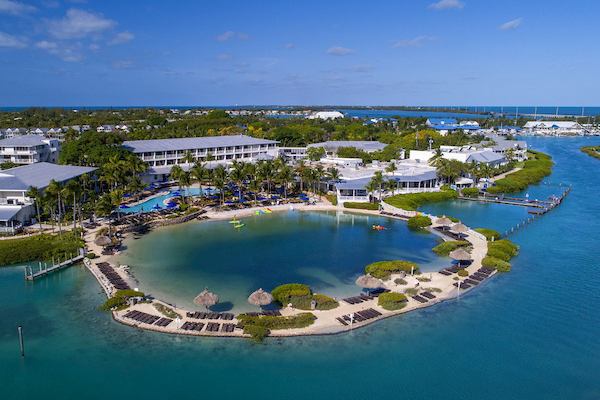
(310, 53)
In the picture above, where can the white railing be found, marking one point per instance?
(397, 210)
(477, 235)
(357, 199)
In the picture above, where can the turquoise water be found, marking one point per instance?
(326, 250)
(528, 334)
(146, 206)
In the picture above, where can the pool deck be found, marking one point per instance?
(326, 321)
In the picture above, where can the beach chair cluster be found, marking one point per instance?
(359, 316)
(113, 277)
(424, 297)
(271, 313)
(399, 216)
(149, 319)
(214, 327)
(454, 236)
(454, 269)
(475, 279)
(365, 297)
(210, 315)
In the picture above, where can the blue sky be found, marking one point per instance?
(448, 52)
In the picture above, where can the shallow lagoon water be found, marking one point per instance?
(531, 333)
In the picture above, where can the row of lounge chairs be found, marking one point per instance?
(475, 279)
(455, 268)
(424, 297)
(210, 327)
(359, 316)
(389, 214)
(210, 315)
(148, 318)
(271, 313)
(365, 297)
(454, 236)
(113, 277)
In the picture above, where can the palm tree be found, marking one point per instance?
(220, 177)
(188, 158)
(379, 180)
(238, 174)
(334, 175)
(185, 181)
(55, 188)
(105, 207)
(319, 175)
(286, 176)
(74, 188)
(176, 173)
(266, 170)
(113, 172)
(116, 197)
(300, 172)
(392, 184)
(391, 169)
(198, 173)
(436, 159)
(136, 185)
(210, 158)
(371, 188)
(35, 194)
(135, 165)
(255, 186)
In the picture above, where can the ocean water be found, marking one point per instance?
(527, 334)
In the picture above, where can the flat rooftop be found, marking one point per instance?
(208, 142)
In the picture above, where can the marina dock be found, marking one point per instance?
(44, 270)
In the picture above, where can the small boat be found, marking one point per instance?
(235, 221)
(238, 226)
(268, 210)
(379, 227)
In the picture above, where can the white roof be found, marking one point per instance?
(40, 174)
(550, 124)
(359, 144)
(23, 141)
(210, 142)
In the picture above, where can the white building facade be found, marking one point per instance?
(29, 149)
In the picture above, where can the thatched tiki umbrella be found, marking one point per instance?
(260, 298)
(460, 255)
(459, 228)
(206, 299)
(103, 241)
(444, 221)
(368, 282)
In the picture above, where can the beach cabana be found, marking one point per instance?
(460, 255)
(260, 298)
(206, 299)
(459, 228)
(444, 221)
(103, 241)
(368, 282)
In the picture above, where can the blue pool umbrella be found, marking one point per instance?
(127, 195)
(249, 192)
(261, 198)
(156, 207)
(171, 204)
(213, 197)
(229, 202)
(124, 207)
(275, 197)
(242, 200)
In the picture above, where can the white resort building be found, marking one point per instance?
(465, 154)
(326, 115)
(553, 128)
(29, 149)
(162, 154)
(15, 207)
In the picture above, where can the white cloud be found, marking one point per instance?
(11, 41)
(360, 68)
(340, 51)
(224, 57)
(510, 25)
(122, 37)
(45, 45)
(243, 36)
(416, 42)
(289, 46)
(226, 36)
(79, 24)
(15, 8)
(447, 5)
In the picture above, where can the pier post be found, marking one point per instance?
(20, 329)
(512, 230)
(506, 234)
(53, 261)
(26, 276)
(59, 263)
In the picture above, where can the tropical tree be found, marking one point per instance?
(379, 180)
(449, 170)
(436, 159)
(371, 187)
(56, 188)
(136, 185)
(392, 185)
(105, 207)
(210, 158)
(220, 177)
(320, 173)
(116, 198)
(300, 172)
(391, 169)
(238, 175)
(185, 181)
(286, 176)
(113, 172)
(74, 188)
(198, 174)
(334, 175)
(188, 158)
(255, 186)
(135, 165)
(35, 194)
(176, 173)
(266, 170)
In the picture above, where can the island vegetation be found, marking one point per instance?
(119, 301)
(384, 269)
(499, 253)
(392, 301)
(412, 201)
(42, 247)
(443, 249)
(534, 170)
(591, 151)
(301, 297)
(259, 327)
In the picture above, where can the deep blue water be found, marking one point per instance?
(528, 334)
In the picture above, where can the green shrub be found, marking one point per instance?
(301, 297)
(384, 269)
(281, 294)
(392, 301)
(166, 311)
(412, 201)
(534, 170)
(91, 256)
(463, 272)
(443, 249)
(257, 332)
(424, 279)
(332, 199)
(400, 281)
(470, 192)
(489, 233)
(433, 289)
(502, 249)
(450, 218)
(497, 253)
(362, 206)
(412, 291)
(590, 150)
(119, 300)
(262, 325)
(38, 248)
(418, 222)
(492, 262)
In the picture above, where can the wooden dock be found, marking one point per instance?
(30, 275)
